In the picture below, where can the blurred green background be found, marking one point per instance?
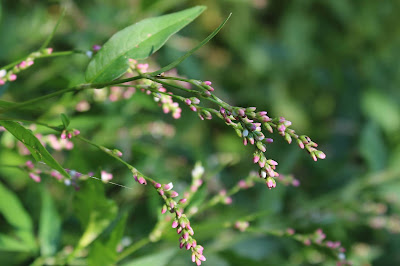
(331, 67)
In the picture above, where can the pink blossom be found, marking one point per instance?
(35, 177)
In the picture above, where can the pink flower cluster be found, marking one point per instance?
(11, 75)
(180, 222)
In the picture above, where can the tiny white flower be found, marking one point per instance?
(3, 73)
(89, 54)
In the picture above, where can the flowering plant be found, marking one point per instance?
(118, 71)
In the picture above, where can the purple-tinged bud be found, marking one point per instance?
(265, 118)
(174, 194)
(241, 112)
(164, 209)
(29, 164)
(244, 141)
(320, 154)
(181, 201)
(161, 192)
(181, 245)
(178, 214)
(262, 113)
(188, 101)
(281, 128)
(202, 258)
(76, 132)
(261, 146)
(295, 182)
(34, 177)
(288, 138)
(272, 162)
(300, 143)
(228, 200)
(314, 157)
(175, 224)
(256, 158)
(269, 140)
(207, 94)
(210, 88)
(193, 257)
(63, 135)
(251, 109)
(186, 236)
(172, 205)
(222, 110)
(242, 184)
(271, 183)
(290, 231)
(142, 181)
(251, 140)
(69, 135)
(287, 123)
(168, 186)
(96, 48)
(157, 185)
(179, 230)
(208, 83)
(193, 108)
(188, 245)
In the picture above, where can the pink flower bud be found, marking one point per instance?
(35, 177)
(29, 164)
(157, 185)
(164, 209)
(174, 194)
(271, 183)
(188, 101)
(96, 48)
(175, 224)
(182, 200)
(12, 77)
(142, 181)
(208, 83)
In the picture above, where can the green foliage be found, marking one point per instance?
(33, 144)
(137, 41)
(331, 67)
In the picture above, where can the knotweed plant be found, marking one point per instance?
(116, 71)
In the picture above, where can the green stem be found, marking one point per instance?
(131, 249)
(47, 41)
(75, 88)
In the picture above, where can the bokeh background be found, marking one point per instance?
(331, 67)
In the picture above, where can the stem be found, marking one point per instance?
(131, 249)
(47, 41)
(75, 88)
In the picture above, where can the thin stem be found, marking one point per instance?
(30, 121)
(131, 249)
(75, 88)
(47, 41)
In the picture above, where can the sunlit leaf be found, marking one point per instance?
(33, 144)
(137, 41)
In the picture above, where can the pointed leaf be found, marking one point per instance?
(49, 227)
(65, 120)
(33, 144)
(137, 41)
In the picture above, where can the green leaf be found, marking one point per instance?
(160, 259)
(33, 144)
(94, 210)
(49, 227)
(15, 214)
(201, 44)
(137, 41)
(106, 254)
(5, 104)
(65, 120)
